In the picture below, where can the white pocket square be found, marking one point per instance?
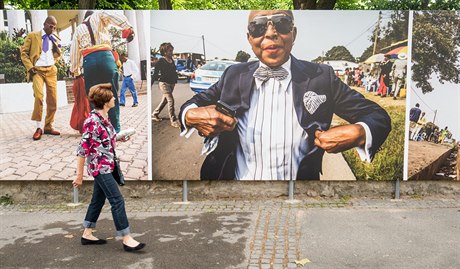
(312, 101)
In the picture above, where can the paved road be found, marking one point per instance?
(253, 234)
(53, 157)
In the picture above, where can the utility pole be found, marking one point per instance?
(204, 49)
(376, 33)
(434, 118)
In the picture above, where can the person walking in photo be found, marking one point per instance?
(165, 72)
(97, 146)
(130, 74)
(39, 54)
(91, 47)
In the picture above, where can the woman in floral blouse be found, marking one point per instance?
(98, 147)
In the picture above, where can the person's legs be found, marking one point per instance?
(51, 97)
(110, 188)
(170, 98)
(93, 212)
(37, 85)
(163, 102)
(132, 89)
(123, 91)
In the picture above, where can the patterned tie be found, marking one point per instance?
(46, 42)
(264, 73)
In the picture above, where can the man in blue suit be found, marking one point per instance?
(283, 111)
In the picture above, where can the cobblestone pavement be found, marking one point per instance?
(53, 157)
(258, 234)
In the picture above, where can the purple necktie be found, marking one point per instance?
(46, 42)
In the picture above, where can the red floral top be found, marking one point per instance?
(97, 144)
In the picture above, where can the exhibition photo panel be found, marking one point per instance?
(278, 95)
(434, 114)
(51, 63)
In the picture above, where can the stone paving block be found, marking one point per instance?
(66, 173)
(61, 165)
(48, 175)
(7, 172)
(10, 177)
(24, 170)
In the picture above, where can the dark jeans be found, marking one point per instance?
(105, 186)
(100, 67)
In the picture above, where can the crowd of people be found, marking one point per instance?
(422, 130)
(385, 79)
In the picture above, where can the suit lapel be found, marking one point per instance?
(300, 81)
(246, 85)
(38, 36)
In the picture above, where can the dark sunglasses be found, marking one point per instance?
(282, 23)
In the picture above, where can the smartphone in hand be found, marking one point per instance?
(225, 109)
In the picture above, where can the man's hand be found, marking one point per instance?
(341, 138)
(32, 71)
(208, 121)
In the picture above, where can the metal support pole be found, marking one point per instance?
(184, 191)
(291, 190)
(75, 195)
(397, 189)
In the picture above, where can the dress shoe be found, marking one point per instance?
(38, 134)
(136, 248)
(52, 132)
(85, 241)
(156, 118)
(122, 104)
(134, 105)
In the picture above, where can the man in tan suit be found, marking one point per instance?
(39, 54)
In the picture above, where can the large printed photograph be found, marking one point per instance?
(434, 132)
(71, 79)
(278, 95)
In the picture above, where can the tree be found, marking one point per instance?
(396, 30)
(165, 4)
(435, 48)
(86, 4)
(242, 56)
(314, 4)
(339, 53)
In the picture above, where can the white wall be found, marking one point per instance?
(18, 97)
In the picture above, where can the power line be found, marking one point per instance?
(420, 98)
(168, 31)
(365, 31)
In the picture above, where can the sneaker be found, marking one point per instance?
(134, 105)
(156, 118)
(175, 124)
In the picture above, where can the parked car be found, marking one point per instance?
(180, 64)
(208, 74)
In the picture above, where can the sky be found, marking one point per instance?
(225, 31)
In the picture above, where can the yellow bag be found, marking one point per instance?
(402, 92)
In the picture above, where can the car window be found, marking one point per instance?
(215, 66)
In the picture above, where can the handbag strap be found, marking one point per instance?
(90, 30)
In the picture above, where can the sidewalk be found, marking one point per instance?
(54, 157)
(413, 233)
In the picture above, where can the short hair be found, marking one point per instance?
(417, 105)
(164, 47)
(100, 94)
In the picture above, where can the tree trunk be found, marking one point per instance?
(314, 4)
(326, 4)
(87, 4)
(165, 4)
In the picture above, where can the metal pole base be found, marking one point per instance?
(291, 199)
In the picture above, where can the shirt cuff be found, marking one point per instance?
(187, 132)
(363, 151)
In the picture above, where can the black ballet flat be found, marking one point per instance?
(136, 248)
(85, 241)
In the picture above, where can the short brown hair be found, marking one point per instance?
(164, 47)
(100, 94)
